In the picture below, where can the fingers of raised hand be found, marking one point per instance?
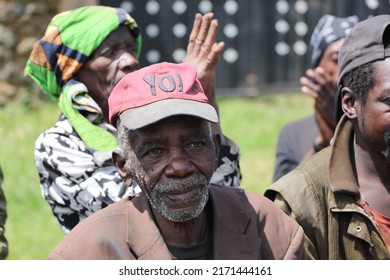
(194, 32)
(209, 41)
(214, 53)
(309, 87)
(203, 36)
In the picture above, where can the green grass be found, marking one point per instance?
(254, 124)
(32, 230)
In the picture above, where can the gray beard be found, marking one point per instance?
(182, 212)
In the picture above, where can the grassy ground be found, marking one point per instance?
(254, 124)
(31, 229)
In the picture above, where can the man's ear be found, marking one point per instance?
(348, 102)
(119, 160)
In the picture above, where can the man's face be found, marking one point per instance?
(176, 158)
(112, 60)
(374, 116)
(330, 59)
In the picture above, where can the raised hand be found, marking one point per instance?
(318, 84)
(203, 52)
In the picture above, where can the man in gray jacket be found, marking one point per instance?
(167, 146)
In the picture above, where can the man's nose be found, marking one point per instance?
(179, 164)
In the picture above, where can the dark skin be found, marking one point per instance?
(110, 62)
(165, 153)
(115, 57)
(321, 84)
(371, 121)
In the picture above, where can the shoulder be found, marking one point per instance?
(241, 198)
(62, 128)
(102, 235)
(60, 136)
(305, 189)
(309, 120)
(312, 172)
(253, 204)
(298, 136)
(296, 129)
(281, 236)
(304, 123)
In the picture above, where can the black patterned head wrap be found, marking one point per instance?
(328, 30)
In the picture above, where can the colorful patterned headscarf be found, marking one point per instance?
(70, 40)
(328, 30)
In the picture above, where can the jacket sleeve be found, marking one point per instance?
(304, 201)
(75, 180)
(296, 250)
(310, 251)
(3, 217)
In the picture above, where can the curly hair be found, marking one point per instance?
(360, 80)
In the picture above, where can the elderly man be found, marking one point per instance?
(340, 196)
(81, 57)
(167, 146)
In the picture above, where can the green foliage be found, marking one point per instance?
(32, 230)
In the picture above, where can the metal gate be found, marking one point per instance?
(266, 41)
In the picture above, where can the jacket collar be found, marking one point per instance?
(231, 237)
(341, 174)
(143, 237)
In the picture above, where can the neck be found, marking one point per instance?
(183, 234)
(373, 177)
(370, 163)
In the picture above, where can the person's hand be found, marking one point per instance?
(319, 84)
(203, 52)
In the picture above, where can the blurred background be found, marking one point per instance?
(266, 51)
(266, 41)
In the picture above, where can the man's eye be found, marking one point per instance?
(154, 152)
(194, 145)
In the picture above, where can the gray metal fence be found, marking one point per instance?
(266, 40)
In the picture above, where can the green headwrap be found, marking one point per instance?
(69, 41)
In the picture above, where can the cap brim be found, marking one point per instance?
(142, 116)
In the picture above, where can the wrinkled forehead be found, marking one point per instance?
(173, 124)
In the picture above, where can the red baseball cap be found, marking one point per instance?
(156, 92)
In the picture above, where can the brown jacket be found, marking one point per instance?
(246, 226)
